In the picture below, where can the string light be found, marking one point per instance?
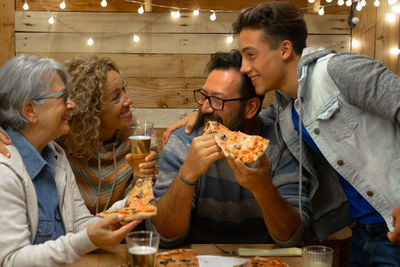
(377, 3)
(321, 11)
(213, 16)
(103, 3)
(90, 41)
(392, 2)
(340, 2)
(349, 2)
(363, 3)
(136, 38)
(359, 6)
(51, 20)
(396, 8)
(175, 14)
(140, 9)
(229, 39)
(390, 17)
(63, 5)
(328, 1)
(196, 12)
(395, 51)
(311, 1)
(25, 6)
(355, 43)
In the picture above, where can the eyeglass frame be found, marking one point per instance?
(62, 93)
(208, 97)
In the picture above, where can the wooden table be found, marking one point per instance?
(119, 256)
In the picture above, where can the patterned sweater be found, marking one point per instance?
(222, 210)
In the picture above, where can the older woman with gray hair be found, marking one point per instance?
(44, 219)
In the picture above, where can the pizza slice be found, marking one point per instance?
(262, 262)
(177, 258)
(237, 145)
(140, 203)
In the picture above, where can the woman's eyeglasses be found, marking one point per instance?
(63, 93)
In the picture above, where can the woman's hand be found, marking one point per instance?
(4, 140)
(147, 168)
(188, 121)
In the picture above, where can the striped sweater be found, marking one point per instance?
(222, 210)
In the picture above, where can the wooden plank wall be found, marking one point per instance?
(377, 36)
(168, 62)
(7, 49)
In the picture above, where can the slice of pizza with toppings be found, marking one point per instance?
(263, 262)
(140, 203)
(237, 145)
(177, 258)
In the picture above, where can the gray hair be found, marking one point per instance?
(22, 79)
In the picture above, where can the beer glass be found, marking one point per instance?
(317, 256)
(140, 139)
(142, 247)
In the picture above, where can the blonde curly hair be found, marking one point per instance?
(89, 75)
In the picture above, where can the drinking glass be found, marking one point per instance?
(140, 139)
(317, 256)
(143, 246)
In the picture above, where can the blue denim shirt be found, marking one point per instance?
(41, 170)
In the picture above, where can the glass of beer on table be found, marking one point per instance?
(143, 246)
(140, 139)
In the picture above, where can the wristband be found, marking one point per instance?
(184, 180)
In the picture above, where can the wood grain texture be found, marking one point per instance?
(7, 47)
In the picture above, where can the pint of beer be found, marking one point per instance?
(143, 246)
(140, 139)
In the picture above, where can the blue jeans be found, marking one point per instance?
(370, 247)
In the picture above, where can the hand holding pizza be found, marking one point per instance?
(251, 177)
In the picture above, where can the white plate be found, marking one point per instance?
(219, 261)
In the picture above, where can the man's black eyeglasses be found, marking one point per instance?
(63, 93)
(215, 102)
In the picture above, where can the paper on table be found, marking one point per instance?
(269, 252)
(220, 261)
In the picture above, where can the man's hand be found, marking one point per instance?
(4, 140)
(395, 235)
(203, 151)
(108, 232)
(149, 167)
(188, 121)
(251, 178)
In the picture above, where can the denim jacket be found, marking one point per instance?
(350, 106)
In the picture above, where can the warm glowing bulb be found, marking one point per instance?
(355, 43)
(321, 11)
(340, 2)
(396, 8)
(25, 6)
(213, 16)
(175, 14)
(51, 20)
(392, 2)
(90, 41)
(395, 51)
(390, 17)
(63, 5)
(328, 1)
(103, 3)
(229, 39)
(140, 10)
(349, 2)
(363, 3)
(136, 38)
(196, 12)
(359, 6)
(377, 3)
(311, 1)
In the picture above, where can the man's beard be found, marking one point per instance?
(236, 123)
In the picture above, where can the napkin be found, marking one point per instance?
(270, 252)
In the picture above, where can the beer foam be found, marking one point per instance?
(142, 250)
(140, 137)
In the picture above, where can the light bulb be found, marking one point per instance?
(358, 7)
(328, 1)
(311, 1)
(321, 11)
(103, 3)
(395, 51)
(196, 12)
(349, 2)
(396, 8)
(355, 43)
(140, 10)
(363, 3)
(377, 3)
(390, 17)
(90, 41)
(229, 39)
(392, 2)
(136, 38)
(175, 14)
(340, 2)
(213, 16)
(51, 20)
(63, 5)
(25, 6)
